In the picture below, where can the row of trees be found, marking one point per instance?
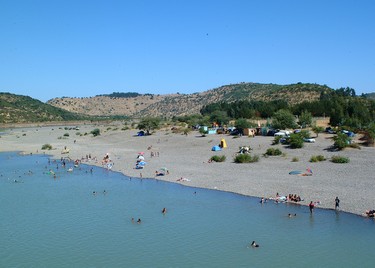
(341, 105)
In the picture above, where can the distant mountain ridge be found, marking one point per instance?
(23, 109)
(138, 105)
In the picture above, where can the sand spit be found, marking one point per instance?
(187, 157)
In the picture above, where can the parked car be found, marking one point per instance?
(348, 133)
(330, 130)
(271, 132)
(282, 133)
(309, 140)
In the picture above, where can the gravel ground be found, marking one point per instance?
(187, 157)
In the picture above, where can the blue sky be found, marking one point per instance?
(82, 48)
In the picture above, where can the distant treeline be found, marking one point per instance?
(341, 105)
(123, 95)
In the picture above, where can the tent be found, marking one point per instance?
(223, 143)
(216, 148)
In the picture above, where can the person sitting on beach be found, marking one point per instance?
(254, 245)
(183, 179)
(106, 158)
(294, 198)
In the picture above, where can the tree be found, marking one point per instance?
(283, 119)
(305, 119)
(203, 131)
(241, 124)
(317, 130)
(95, 132)
(296, 141)
(341, 141)
(149, 123)
(219, 117)
(370, 134)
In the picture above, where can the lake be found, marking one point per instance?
(54, 219)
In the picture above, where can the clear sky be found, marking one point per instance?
(79, 48)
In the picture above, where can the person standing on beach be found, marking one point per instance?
(311, 207)
(337, 202)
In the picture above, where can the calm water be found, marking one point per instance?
(58, 222)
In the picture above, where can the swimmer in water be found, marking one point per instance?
(254, 245)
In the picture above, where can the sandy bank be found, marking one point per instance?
(187, 156)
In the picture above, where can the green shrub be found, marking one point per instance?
(95, 132)
(203, 132)
(340, 159)
(125, 128)
(296, 141)
(355, 146)
(47, 147)
(317, 158)
(246, 158)
(341, 141)
(273, 151)
(186, 131)
(295, 159)
(321, 158)
(276, 140)
(66, 135)
(218, 158)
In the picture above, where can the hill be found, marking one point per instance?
(24, 109)
(137, 105)
(369, 96)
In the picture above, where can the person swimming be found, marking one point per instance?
(254, 245)
(164, 211)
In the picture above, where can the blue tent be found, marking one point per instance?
(216, 148)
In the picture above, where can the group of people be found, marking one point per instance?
(140, 162)
(297, 198)
(294, 198)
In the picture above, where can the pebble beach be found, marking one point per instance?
(186, 158)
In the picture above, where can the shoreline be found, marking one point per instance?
(187, 157)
